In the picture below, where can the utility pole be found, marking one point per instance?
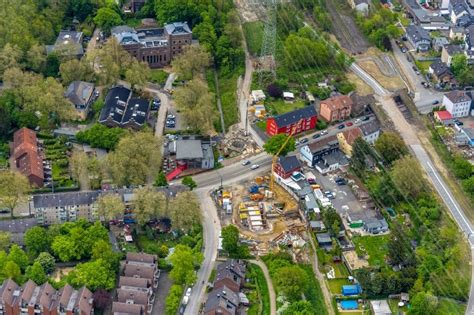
(267, 54)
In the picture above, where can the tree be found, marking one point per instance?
(230, 240)
(11, 270)
(149, 204)
(94, 275)
(399, 247)
(459, 64)
(51, 69)
(5, 240)
(78, 166)
(10, 57)
(112, 59)
(468, 185)
(100, 136)
(36, 58)
(462, 168)
(195, 104)
(138, 73)
(361, 151)
(110, 206)
(106, 18)
(13, 189)
(423, 303)
(102, 299)
(184, 211)
(36, 273)
(188, 181)
(274, 91)
(408, 177)
(161, 180)
(76, 70)
(276, 145)
(18, 256)
(173, 300)
(47, 261)
(390, 146)
(37, 240)
(184, 261)
(292, 281)
(136, 159)
(194, 60)
(103, 250)
(299, 308)
(64, 248)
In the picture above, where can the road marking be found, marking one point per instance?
(461, 213)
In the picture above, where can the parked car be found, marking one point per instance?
(324, 132)
(316, 136)
(245, 163)
(435, 102)
(304, 140)
(311, 181)
(357, 121)
(254, 167)
(171, 116)
(340, 181)
(349, 123)
(340, 126)
(365, 118)
(188, 292)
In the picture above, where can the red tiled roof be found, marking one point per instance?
(338, 102)
(352, 134)
(444, 115)
(25, 152)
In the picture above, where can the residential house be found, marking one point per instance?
(27, 156)
(469, 44)
(361, 104)
(317, 226)
(375, 226)
(81, 94)
(449, 51)
(441, 73)
(143, 266)
(439, 42)
(336, 108)
(324, 240)
(64, 207)
(346, 140)
(68, 43)
(156, 46)
(293, 123)
(222, 301)
(230, 274)
(457, 103)
(121, 110)
(119, 308)
(458, 10)
(286, 166)
(33, 299)
(313, 153)
(361, 6)
(456, 33)
(370, 131)
(418, 37)
(444, 117)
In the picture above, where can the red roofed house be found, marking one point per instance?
(301, 120)
(286, 166)
(336, 108)
(28, 160)
(346, 140)
(444, 117)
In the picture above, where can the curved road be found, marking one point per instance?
(271, 290)
(410, 137)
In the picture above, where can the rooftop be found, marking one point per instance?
(289, 163)
(295, 116)
(338, 102)
(351, 135)
(457, 96)
(417, 33)
(79, 92)
(369, 127)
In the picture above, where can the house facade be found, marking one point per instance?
(336, 108)
(443, 117)
(418, 37)
(346, 140)
(27, 156)
(314, 152)
(293, 123)
(370, 131)
(449, 51)
(286, 166)
(156, 46)
(457, 103)
(441, 73)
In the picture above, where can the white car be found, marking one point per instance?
(254, 167)
(324, 132)
(357, 121)
(245, 163)
(188, 292)
(171, 116)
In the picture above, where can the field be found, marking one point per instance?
(253, 35)
(390, 83)
(374, 246)
(278, 107)
(158, 76)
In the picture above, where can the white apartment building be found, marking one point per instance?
(457, 103)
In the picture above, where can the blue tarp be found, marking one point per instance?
(349, 305)
(351, 289)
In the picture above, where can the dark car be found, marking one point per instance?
(340, 126)
(365, 118)
(435, 102)
(340, 181)
(304, 140)
(316, 136)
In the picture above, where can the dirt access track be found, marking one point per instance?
(345, 28)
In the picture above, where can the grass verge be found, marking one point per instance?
(253, 32)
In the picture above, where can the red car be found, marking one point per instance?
(348, 124)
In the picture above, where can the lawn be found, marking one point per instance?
(278, 107)
(335, 285)
(374, 246)
(262, 125)
(340, 270)
(158, 76)
(253, 36)
(261, 300)
(423, 65)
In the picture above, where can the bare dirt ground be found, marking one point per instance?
(361, 87)
(390, 83)
(345, 28)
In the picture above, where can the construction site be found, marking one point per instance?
(268, 218)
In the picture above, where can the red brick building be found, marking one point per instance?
(336, 108)
(286, 166)
(301, 119)
(28, 160)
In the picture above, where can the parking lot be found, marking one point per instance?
(345, 202)
(179, 122)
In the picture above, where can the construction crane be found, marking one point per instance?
(277, 155)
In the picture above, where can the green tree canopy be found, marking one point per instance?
(184, 211)
(408, 177)
(18, 256)
(188, 181)
(184, 262)
(390, 146)
(106, 18)
(276, 145)
(47, 261)
(37, 240)
(292, 281)
(94, 274)
(36, 273)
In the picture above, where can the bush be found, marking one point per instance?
(274, 91)
(100, 136)
(173, 300)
